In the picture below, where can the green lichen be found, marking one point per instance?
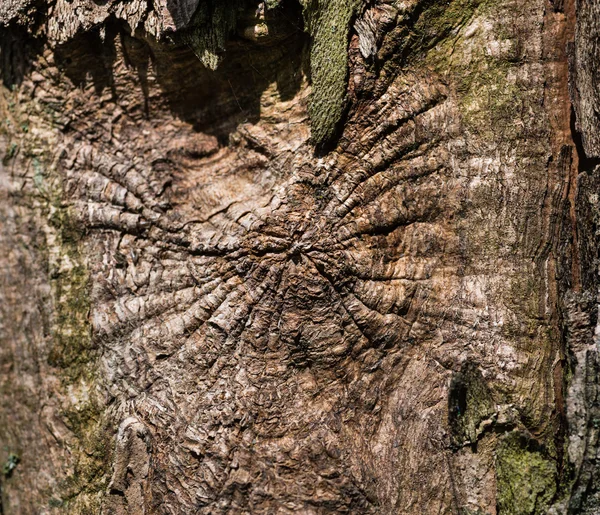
(328, 23)
(525, 475)
(55, 503)
(10, 465)
(426, 31)
(11, 152)
(490, 100)
(72, 354)
(491, 92)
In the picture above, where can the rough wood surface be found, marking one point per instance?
(203, 313)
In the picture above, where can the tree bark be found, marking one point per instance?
(313, 256)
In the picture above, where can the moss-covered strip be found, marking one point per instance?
(328, 23)
(74, 356)
(69, 280)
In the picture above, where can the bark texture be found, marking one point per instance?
(299, 257)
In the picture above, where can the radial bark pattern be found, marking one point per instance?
(202, 312)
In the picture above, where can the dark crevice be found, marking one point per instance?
(586, 164)
(17, 51)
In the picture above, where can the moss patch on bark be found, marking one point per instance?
(72, 353)
(526, 476)
(328, 23)
(69, 279)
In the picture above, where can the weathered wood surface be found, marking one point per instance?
(202, 312)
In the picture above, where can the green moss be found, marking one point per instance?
(526, 476)
(440, 21)
(72, 348)
(490, 101)
(92, 461)
(73, 354)
(328, 23)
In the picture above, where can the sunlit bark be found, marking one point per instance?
(299, 257)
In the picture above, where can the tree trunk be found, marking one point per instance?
(299, 256)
